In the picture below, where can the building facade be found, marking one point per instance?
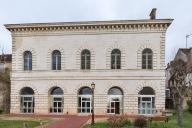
(54, 65)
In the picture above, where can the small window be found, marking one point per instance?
(116, 59)
(147, 59)
(27, 60)
(56, 60)
(85, 59)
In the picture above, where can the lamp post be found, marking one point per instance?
(92, 103)
(187, 36)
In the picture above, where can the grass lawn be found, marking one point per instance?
(18, 123)
(171, 124)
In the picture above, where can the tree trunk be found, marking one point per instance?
(180, 112)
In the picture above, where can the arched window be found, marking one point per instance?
(84, 100)
(115, 101)
(116, 59)
(56, 60)
(27, 100)
(27, 56)
(56, 100)
(146, 101)
(85, 59)
(147, 59)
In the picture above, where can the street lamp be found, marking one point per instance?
(187, 36)
(92, 105)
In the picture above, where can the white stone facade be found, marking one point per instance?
(130, 37)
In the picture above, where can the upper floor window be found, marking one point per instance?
(85, 59)
(56, 60)
(116, 59)
(27, 60)
(147, 59)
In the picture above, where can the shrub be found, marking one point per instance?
(140, 122)
(118, 121)
(189, 103)
(1, 111)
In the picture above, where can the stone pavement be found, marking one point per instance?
(70, 122)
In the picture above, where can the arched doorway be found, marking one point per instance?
(146, 101)
(56, 100)
(84, 100)
(115, 101)
(27, 100)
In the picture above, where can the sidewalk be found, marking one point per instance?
(70, 122)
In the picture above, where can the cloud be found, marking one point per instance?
(26, 11)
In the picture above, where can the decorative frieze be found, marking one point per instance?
(91, 26)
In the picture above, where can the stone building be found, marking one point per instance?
(184, 54)
(54, 65)
(5, 62)
(5, 68)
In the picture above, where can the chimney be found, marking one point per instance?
(153, 14)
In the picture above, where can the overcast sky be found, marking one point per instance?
(35, 11)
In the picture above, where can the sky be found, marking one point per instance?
(40, 11)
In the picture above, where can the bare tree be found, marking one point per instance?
(180, 84)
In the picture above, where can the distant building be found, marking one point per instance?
(54, 65)
(5, 62)
(184, 54)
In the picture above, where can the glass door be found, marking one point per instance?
(146, 105)
(85, 104)
(57, 104)
(27, 104)
(114, 105)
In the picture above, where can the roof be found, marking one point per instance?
(93, 24)
(6, 58)
(185, 50)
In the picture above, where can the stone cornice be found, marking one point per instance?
(91, 25)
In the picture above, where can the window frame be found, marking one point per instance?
(147, 56)
(27, 61)
(56, 60)
(85, 59)
(115, 59)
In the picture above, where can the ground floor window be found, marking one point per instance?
(27, 100)
(56, 100)
(84, 104)
(84, 100)
(115, 103)
(146, 101)
(27, 104)
(146, 104)
(56, 104)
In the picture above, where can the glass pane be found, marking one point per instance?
(27, 91)
(27, 98)
(57, 91)
(59, 104)
(79, 102)
(83, 104)
(115, 91)
(112, 104)
(55, 104)
(146, 99)
(88, 104)
(85, 91)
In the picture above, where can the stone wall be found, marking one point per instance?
(130, 37)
